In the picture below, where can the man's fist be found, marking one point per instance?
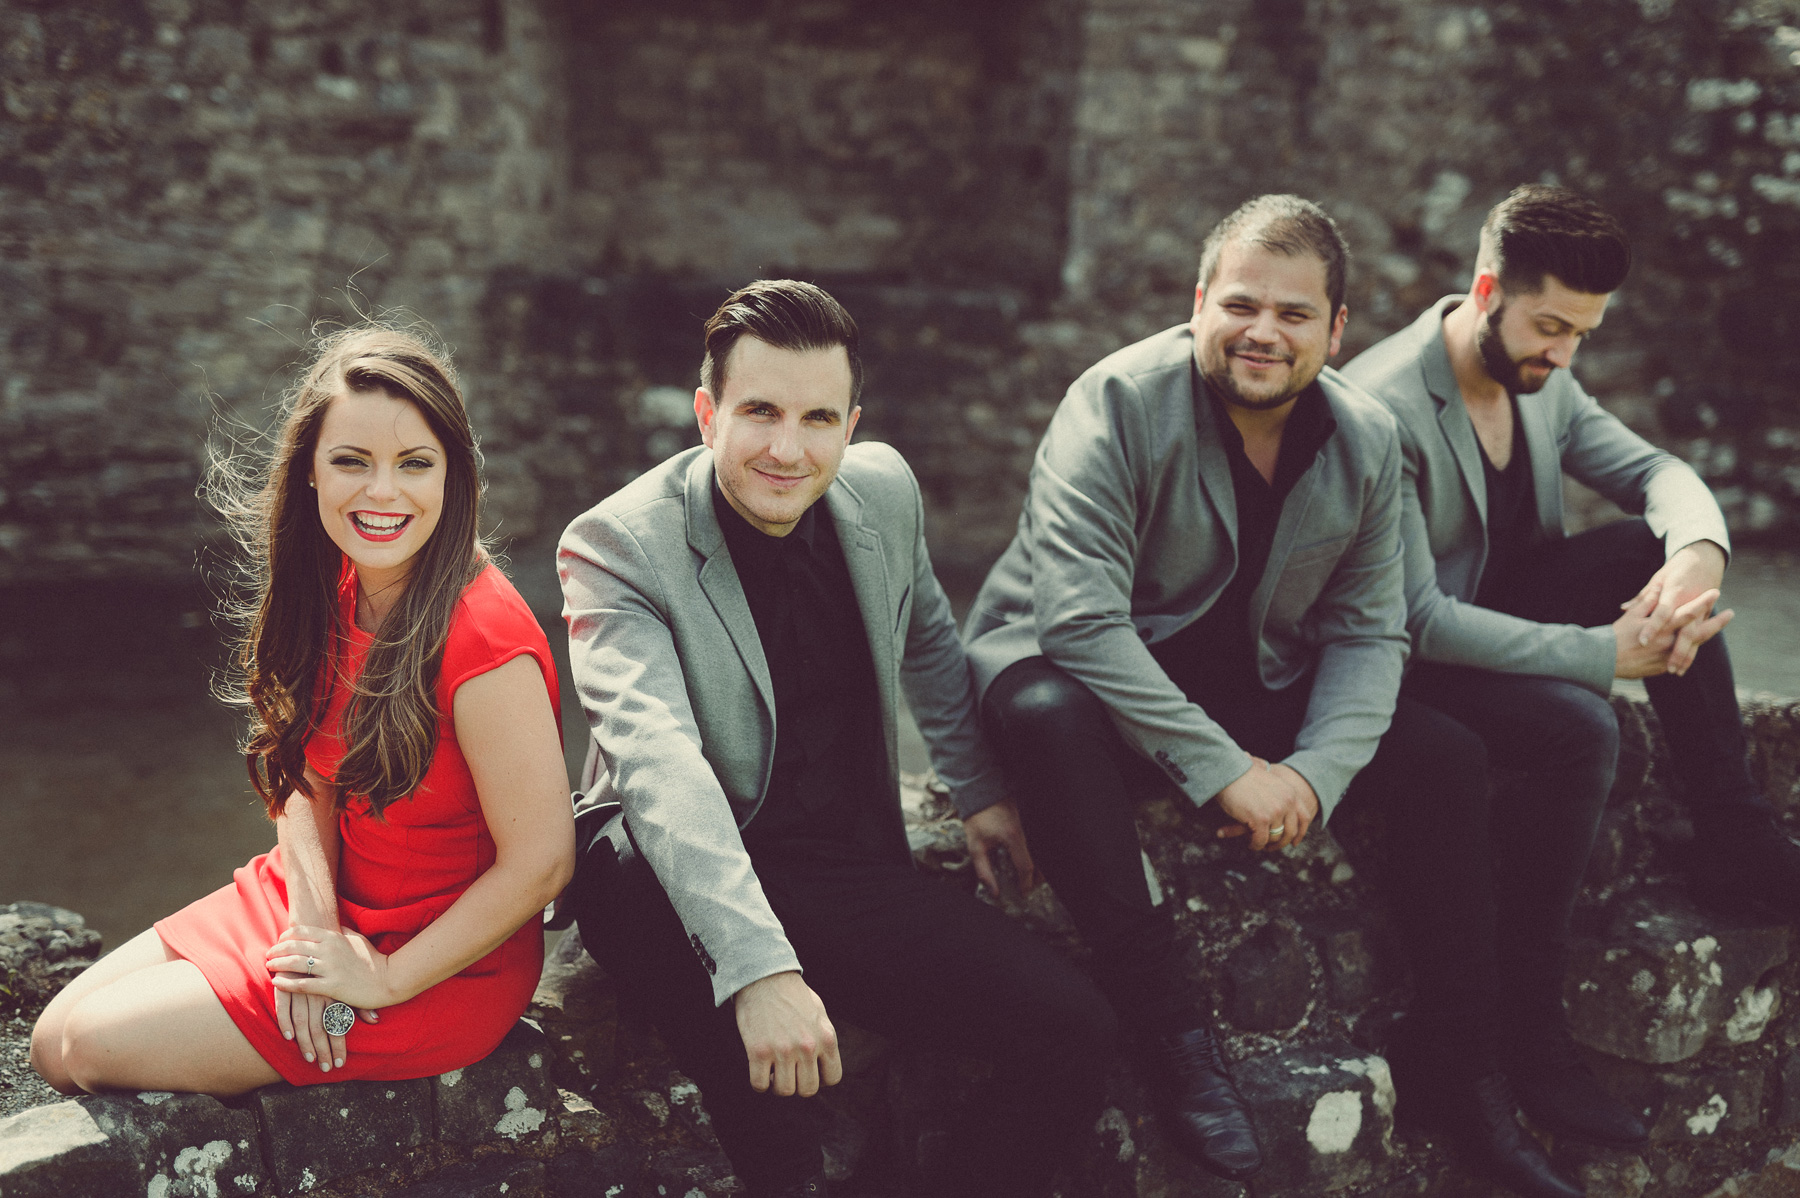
(1274, 804)
(788, 1041)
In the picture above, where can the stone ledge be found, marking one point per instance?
(1686, 1014)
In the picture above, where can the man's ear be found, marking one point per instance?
(1484, 289)
(1337, 329)
(850, 422)
(704, 411)
(1199, 298)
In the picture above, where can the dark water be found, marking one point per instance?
(122, 795)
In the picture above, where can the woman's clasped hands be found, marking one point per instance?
(314, 967)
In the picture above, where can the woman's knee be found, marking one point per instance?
(47, 1054)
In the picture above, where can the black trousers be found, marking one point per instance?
(1077, 786)
(888, 949)
(1483, 881)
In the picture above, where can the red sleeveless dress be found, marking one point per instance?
(395, 875)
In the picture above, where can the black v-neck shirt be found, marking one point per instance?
(1215, 655)
(1511, 513)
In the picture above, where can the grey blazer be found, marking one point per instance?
(671, 673)
(1444, 517)
(1129, 533)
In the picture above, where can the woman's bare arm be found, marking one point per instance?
(508, 734)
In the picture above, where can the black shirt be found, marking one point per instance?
(830, 756)
(1511, 514)
(1214, 656)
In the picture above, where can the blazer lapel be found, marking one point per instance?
(867, 564)
(1215, 471)
(719, 579)
(1453, 418)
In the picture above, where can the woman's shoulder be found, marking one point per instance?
(491, 624)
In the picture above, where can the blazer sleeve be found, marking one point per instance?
(1445, 629)
(1083, 502)
(1605, 455)
(1359, 623)
(629, 674)
(934, 672)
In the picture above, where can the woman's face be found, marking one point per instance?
(379, 471)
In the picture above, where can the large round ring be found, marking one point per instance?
(310, 962)
(1276, 832)
(338, 1018)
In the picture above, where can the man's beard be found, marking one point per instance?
(1225, 387)
(1501, 366)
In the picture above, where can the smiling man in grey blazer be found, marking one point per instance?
(1518, 632)
(1205, 582)
(742, 619)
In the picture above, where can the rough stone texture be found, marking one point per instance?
(41, 948)
(1002, 192)
(1779, 1179)
(508, 1095)
(1324, 1117)
(490, 1177)
(166, 1145)
(1667, 978)
(1268, 980)
(1788, 1114)
(314, 1135)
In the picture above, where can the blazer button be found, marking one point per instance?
(1143, 634)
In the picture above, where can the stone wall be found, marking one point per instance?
(1686, 1013)
(1002, 192)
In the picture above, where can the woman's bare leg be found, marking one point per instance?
(143, 1019)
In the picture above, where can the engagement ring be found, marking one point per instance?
(309, 964)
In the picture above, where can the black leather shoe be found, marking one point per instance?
(1746, 867)
(1200, 1107)
(1557, 1091)
(1479, 1118)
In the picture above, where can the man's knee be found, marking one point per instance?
(1036, 701)
(1579, 727)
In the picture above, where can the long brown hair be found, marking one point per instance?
(289, 615)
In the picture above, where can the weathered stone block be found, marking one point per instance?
(691, 1173)
(577, 1007)
(1603, 1172)
(41, 948)
(1350, 950)
(498, 1176)
(315, 1134)
(1268, 980)
(1773, 728)
(1666, 979)
(60, 1151)
(1788, 1113)
(1702, 1105)
(614, 1171)
(168, 1145)
(1324, 1117)
(1780, 1178)
(507, 1095)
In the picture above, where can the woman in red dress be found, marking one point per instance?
(404, 737)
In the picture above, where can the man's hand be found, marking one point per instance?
(1265, 798)
(1641, 652)
(1690, 572)
(998, 827)
(787, 1038)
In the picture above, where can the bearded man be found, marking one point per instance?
(1518, 631)
(1205, 587)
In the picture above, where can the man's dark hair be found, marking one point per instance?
(1540, 230)
(785, 313)
(1282, 224)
